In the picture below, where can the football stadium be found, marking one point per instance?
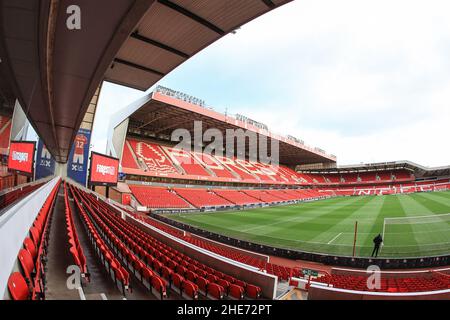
(185, 202)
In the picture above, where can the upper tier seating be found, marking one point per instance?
(152, 157)
(128, 159)
(382, 189)
(214, 166)
(155, 197)
(235, 167)
(187, 161)
(377, 177)
(156, 160)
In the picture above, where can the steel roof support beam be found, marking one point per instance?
(137, 66)
(192, 16)
(269, 3)
(137, 36)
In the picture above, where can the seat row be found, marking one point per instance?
(112, 265)
(30, 282)
(184, 273)
(280, 271)
(166, 198)
(421, 283)
(75, 247)
(111, 249)
(13, 196)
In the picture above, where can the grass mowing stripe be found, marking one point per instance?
(424, 234)
(394, 242)
(433, 204)
(310, 226)
(300, 219)
(321, 222)
(345, 226)
(442, 194)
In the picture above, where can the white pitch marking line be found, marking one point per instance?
(329, 242)
(81, 293)
(103, 296)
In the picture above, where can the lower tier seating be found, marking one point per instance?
(17, 194)
(201, 198)
(158, 197)
(29, 282)
(145, 255)
(282, 272)
(184, 198)
(430, 282)
(237, 197)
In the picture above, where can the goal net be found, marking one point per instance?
(416, 236)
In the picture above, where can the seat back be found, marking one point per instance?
(30, 247)
(17, 286)
(26, 261)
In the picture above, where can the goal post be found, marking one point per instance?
(414, 234)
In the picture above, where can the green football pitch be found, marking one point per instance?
(327, 226)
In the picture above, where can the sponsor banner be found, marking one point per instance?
(45, 164)
(21, 156)
(103, 170)
(78, 158)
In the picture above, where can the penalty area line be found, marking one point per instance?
(332, 240)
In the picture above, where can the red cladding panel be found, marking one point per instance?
(21, 156)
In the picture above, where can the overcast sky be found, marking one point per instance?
(368, 81)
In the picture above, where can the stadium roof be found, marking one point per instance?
(160, 114)
(55, 71)
(419, 170)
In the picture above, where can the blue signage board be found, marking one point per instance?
(45, 164)
(77, 165)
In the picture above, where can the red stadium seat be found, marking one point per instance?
(252, 291)
(224, 284)
(177, 280)
(27, 264)
(216, 291)
(166, 273)
(202, 284)
(236, 291)
(191, 276)
(35, 236)
(30, 247)
(190, 289)
(17, 286)
(159, 285)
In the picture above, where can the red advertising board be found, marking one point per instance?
(103, 170)
(126, 199)
(21, 156)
